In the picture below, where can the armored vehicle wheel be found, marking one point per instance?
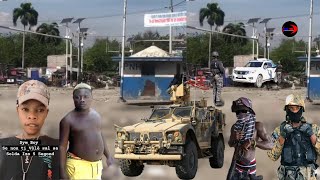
(188, 166)
(131, 168)
(217, 150)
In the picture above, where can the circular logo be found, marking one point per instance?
(289, 29)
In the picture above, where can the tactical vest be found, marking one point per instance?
(298, 150)
(215, 67)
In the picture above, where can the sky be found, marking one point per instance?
(242, 10)
(104, 17)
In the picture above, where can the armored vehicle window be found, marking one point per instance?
(182, 112)
(159, 113)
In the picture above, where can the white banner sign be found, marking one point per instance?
(165, 19)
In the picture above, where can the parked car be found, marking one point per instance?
(255, 71)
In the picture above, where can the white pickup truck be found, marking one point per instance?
(255, 71)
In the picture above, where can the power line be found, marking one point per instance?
(113, 15)
(281, 17)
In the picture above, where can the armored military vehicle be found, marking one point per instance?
(177, 136)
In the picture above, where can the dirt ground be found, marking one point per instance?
(268, 106)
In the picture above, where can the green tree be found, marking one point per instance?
(10, 48)
(237, 29)
(138, 41)
(285, 53)
(96, 59)
(50, 29)
(198, 43)
(214, 16)
(28, 16)
(36, 53)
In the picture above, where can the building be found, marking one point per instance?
(148, 73)
(314, 83)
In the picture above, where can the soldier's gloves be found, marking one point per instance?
(285, 129)
(306, 129)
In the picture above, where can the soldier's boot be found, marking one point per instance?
(255, 177)
(219, 103)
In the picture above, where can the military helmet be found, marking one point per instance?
(215, 53)
(242, 103)
(295, 100)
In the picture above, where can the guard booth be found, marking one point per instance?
(314, 83)
(148, 73)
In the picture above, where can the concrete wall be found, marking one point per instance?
(137, 87)
(241, 60)
(56, 60)
(132, 68)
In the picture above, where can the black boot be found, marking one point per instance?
(219, 103)
(254, 177)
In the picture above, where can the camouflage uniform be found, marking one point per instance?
(217, 84)
(276, 151)
(294, 172)
(217, 70)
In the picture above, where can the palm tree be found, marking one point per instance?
(28, 16)
(214, 16)
(50, 29)
(237, 29)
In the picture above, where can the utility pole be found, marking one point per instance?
(309, 49)
(170, 30)
(123, 45)
(79, 50)
(253, 20)
(71, 69)
(269, 36)
(83, 32)
(265, 21)
(67, 20)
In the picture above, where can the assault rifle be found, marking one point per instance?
(235, 157)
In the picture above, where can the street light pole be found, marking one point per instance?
(309, 49)
(79, 56)
(71, 69)
(83, 34)
(170, 30)
(253, 41)
(265, 21)
(79, 50)
(253, 20)
(67, 20)
(122, 47)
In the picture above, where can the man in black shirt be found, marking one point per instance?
(32, 108)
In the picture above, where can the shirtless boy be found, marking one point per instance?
(82, 129)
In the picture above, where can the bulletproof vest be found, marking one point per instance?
(298, 150)
(215, 67)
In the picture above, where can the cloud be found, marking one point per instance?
(5, 19)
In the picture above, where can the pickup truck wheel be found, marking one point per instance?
(259, 81)
(131, 168)
(217, 150)
(188, 166)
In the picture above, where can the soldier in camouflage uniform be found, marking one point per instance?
(217, 71)
(297, 142)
